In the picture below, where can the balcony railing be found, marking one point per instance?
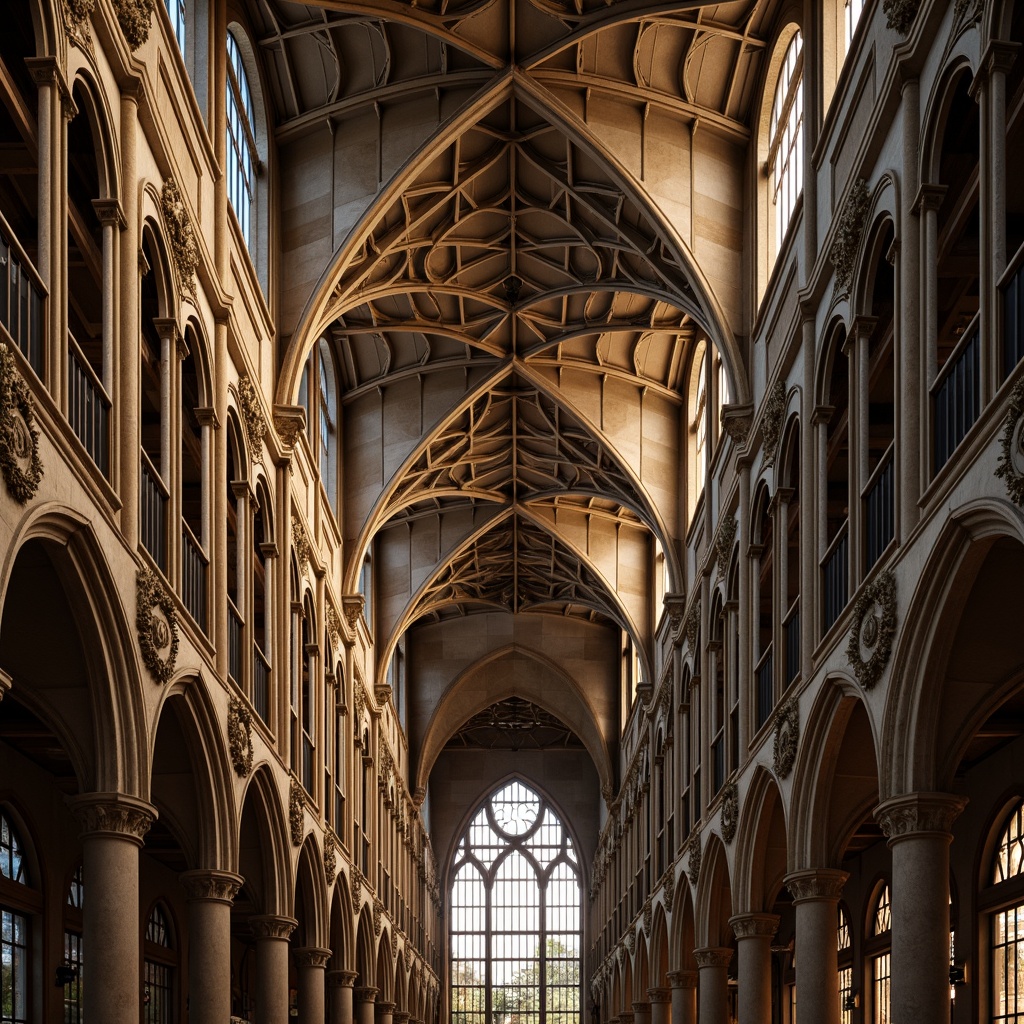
(193, 576)
(22, 299)
(718, 762)
(88, 407)
(956, 396)
(765, 686)
(836, 574)
(1012, 288)
(791, 628)
(260, 682)
(879, 506)
(234, 644)
(153, 512)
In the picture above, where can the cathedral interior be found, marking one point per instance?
(512, 512)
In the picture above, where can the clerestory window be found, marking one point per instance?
(786, 147)
(241, 141)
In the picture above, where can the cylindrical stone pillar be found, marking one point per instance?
(339, 984)
(209, 895)
(311, 962)
(400, 1017)
(383, 1012)
(113, 827)
(641, 1012)
(713, 987)
(684, 996)
(917, 826)
(363, 999)
(272, 934)
(816, 899)
(753, 947)
(661, 1005)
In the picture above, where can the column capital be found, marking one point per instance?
(929, 197)
(113, 814)
(311, 956)
(341, 979)
(660, 995)
(747, 926)
(641, 1007)
(401, 1016)
(713, 956)
(682, 979)
(386, 1007)
(816, 884)
(625, 1017)
(365, 994)
(272, 926)
(210, 884)
(903, 817)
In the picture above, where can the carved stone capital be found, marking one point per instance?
(289, 422)
(19, 440)
(365, 994)
(312, 957)
(747, 926)
(914, 814)
(736, 421)
(816, 884)
(659, 995)
(210, 885)
(113, 814)
(341, 979)
(110, 211)
(272, 926)
(712, 956)
(873, 629)
(929, 197)
(400, 1016)
(682, 979)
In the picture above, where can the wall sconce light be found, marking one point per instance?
(65, 974)
(852, 1000)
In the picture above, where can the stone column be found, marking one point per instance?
(641, 1012)
(684, 996)
(713, 990)
(917, 826)
(816, 899)
(753, 936)
(363, 999)
(384, 1013)
(400, 1017)
(209, 894)
(113, 827)
(312, 962)
(625, 1017)
(272, 934)
(661, 1005)
(340, 1006)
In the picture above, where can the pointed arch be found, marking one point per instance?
(713, 900)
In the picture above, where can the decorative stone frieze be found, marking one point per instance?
(873, 629)
(208, 884)
(730, 810)
(113, 814)
(787, 736)
(272, 926)
(670, 889)
(240, 736)
(693, 851)
(357, 886)
(849, 229)
(723, 544)
(300, 542)
(252, 415)
(295, 811)
(184, 247)
(311, 956)
(736, 421)
(713, 956)
(330, 856)
(771, 421)
(333, 627)
(816, 884)
(647, 916)
(900, 14)
(19, 440)
(903, 816)
(156, 621)
(1011, 457)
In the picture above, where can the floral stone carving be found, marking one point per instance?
(184, 248)
(330, 856)
(771, 422)
(156, 621)
(670, 889)
(135, 19)
(846, 243)
(787, 735)
(694, 854)
(19, 440)
(900, 14)
(300, 542)
(723, 543)
(76, 17)
(295, 815)
(252, 413)
(730, 811)
(874, 626)
(1011, 458)
(692, 626)
(240, 736)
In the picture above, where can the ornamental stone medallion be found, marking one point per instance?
(240, 737)
(693, 862)
(19, 441)
(787, 735)
(1011, 456)
(730, 811)
(156, 621)
(873, 629)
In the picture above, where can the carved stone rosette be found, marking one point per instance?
(849, 229)
(730, 811)
(1011, 457)
(252, 414)
(330, 856)
(900, 14)
(184, 247)
(19, 440)
(693, 857)
(300, 542)
(787, 736)
(873, 629)
(295, 811)
(156, 621)
(240, 736)
(723, 544)
(903, 816)
(771, 421)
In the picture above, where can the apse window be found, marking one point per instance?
(786, 147)
(515, 935)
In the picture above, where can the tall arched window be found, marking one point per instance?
(73, 958)
(15, 947)
(697, 427)
(242, 158)
(881, 957)
(1007, 934)
(785, 141)
(844, 952)
(516, 937)
(159, 964)
(176, 12)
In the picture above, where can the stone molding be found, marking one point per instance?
(903, 817)
(850, 227)
(659, 995)
(330, 856)
(184, 247)
(712, 956)
(300, 542)
(682, 979)
(900, 14)
(76, 19)
(771, 421)
(113, 814)
(747, 926)
(289, 422)
(240, 736)
(816, 884)
(730, 811)
(736, 421)
(6, 682)
(693, 851)
(787, 737)
(312, 956)
(1011, 456)
(272, 926)
(19, 440)
(252, 415)
(156, 621)
(211, 885)
(873, 629)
